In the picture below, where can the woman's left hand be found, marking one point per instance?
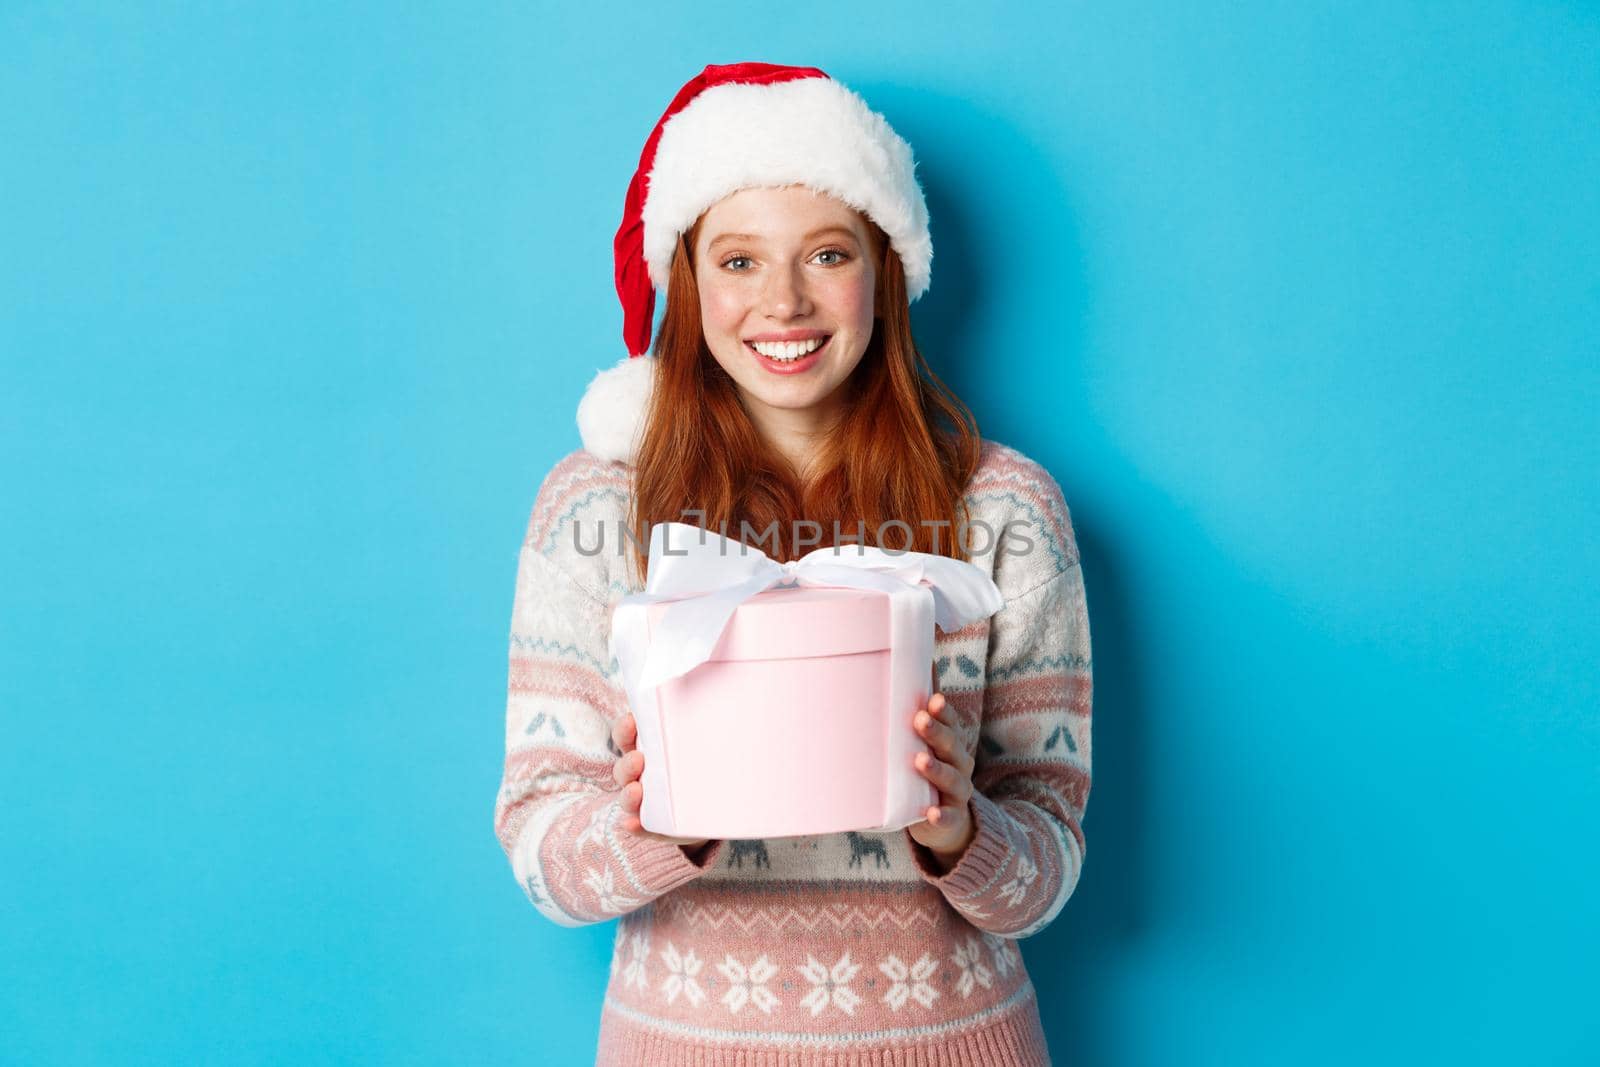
(948, 829)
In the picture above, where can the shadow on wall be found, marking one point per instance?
(1110, 907)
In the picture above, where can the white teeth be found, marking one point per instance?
(787, 350)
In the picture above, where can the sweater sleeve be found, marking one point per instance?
(556, 814)
(1031, 767)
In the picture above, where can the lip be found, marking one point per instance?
(799, 366)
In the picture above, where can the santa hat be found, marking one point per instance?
(732, 127)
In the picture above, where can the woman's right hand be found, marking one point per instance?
(627, 769)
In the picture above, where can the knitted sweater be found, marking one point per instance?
(842, 949)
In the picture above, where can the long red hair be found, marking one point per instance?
(905, 449)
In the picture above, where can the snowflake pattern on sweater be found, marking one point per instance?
(837, 945)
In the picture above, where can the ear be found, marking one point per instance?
(612, 412)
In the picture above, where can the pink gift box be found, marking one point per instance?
(799, 722)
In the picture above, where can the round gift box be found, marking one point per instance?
(787, 729)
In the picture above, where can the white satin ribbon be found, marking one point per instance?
(709, 576)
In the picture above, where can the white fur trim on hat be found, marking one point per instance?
(806, 131)
(611, 413)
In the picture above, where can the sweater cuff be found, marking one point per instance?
(986, 855)
(662, 866)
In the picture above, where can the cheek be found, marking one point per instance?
(851, 301)
(722, 311)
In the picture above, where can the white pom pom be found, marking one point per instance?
(611, 413)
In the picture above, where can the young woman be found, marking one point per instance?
(786, 397)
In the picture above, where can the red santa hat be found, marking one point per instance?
(737, 126)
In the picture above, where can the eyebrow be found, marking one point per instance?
(753, 237)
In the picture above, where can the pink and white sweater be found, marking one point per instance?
(841, 949)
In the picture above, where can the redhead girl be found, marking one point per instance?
(785, 395)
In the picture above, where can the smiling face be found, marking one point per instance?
(787, 286)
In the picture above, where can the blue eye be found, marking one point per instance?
(736, 257)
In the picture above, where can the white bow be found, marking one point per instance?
(709, 576)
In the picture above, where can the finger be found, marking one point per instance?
(947, 744)
(625, 732)
(943, 815)
(628, 768)
(937, 705)
(948, 780)
(632, 798)
(941, 737)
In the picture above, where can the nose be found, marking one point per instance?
(785, 293)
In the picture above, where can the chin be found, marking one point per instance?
(801, 396)
(785, 400)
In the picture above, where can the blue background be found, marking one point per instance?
(1297, 302)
